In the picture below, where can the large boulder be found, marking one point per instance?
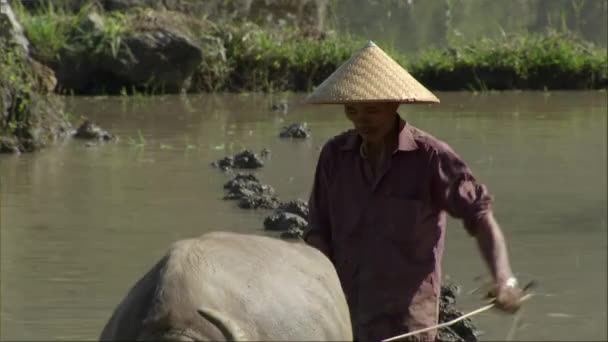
(161, 59)
(153, 52)
(121, 5)
(79, 66)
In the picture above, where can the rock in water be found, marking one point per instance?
(464, 330)
(298, 207)
(265, 153)
(244, 180)
(247, 160)
(258, 202)
(90, 131)
(225, 164)
(290, 218)
(284, 222)
(280, 107)
(250, 192)
(243, 160)
(298, 131)
(293, 233)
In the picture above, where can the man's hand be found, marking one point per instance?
(508, 299)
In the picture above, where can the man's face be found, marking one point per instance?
(372, 120)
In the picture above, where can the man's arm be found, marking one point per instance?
(456, 191)
(494, 250)
(318, 233)
(493, 247)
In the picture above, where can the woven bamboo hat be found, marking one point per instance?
(370, 75)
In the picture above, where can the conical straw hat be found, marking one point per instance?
(370, 75)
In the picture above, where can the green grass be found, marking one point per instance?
(52, 28)
(140, 142)
(47, 28)
(256, 58)
(28, 120)
(553, 60)
(264, 60)
(18, 83)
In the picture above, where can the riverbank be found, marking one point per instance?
(158, 51)
(30, 116)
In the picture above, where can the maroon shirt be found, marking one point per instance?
(386, 233)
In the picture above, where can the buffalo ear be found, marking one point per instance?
(228, 328)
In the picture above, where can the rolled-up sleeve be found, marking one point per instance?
(455, 190)
(318, 218)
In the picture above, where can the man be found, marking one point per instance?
(379, 202)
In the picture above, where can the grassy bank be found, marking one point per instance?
(247, 57)
(268, 60)
(29, 118)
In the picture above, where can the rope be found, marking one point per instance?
(447, 324)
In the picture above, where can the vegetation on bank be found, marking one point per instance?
(269, 60)
(243, 56)
(29, 119)
(550, 61)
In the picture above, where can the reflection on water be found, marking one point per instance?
(80, 224)
(414, 25)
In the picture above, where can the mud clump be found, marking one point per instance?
(280, 107)
(292, 234)
(290, 218)
(243, 160)
(297, 131)
(258, 202)
(250, 192)
(265, 153)
(281, 221)
(243, 184)
(298, 207)
(91, 131)
(464, 330)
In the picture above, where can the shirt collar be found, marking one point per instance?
(406, 140)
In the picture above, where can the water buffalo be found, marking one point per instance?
(229, 286)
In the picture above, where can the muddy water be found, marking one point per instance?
(80, 224)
